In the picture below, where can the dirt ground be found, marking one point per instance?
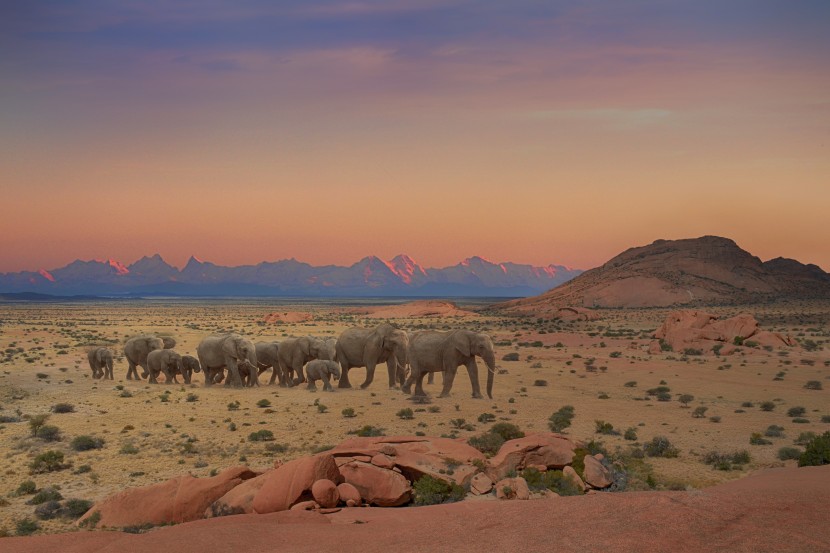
(150, 436)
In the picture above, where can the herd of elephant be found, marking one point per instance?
(409, 357)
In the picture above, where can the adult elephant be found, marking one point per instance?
(434, 351)
(294, 353)
(165, 361)
(367, 347)
(100, 361)
(267, 358)
(227, 351)
(137, 348)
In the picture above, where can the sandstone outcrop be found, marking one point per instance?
(292, 482)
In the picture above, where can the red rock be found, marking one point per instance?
(544, 449)
(305, 506)
(381, 487)
(180, 499)
(569, 472)
(292, 481)
(351, 503)
(325, 493)
(238, 500)
(382, 461)
(773, 339)
(348, 493)
(596, 475)
(481, 484)
(512, 488)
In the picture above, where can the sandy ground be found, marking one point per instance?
(193, 434)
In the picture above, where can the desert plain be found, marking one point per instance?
(601, 367)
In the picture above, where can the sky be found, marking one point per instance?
(529, 131)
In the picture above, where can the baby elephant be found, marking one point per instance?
(100, 361)
(321, 369)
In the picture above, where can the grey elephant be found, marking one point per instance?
(190, 365)
(267, 358)
(227, 351)
(434, 351)
(294, 353)
(321, 369)
(137, 348)
(100, 361)
(367, 347)
(164, 361)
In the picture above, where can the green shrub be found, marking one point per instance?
(552, 480)
(63, 408)
(86, 443)
(615, 354)
(685, 399)
(699, 412)
(405, 414)
(348, 413)
(767, 406)
(789, 453)
(36, 421)
(756, 439)
(774, 431)
(512, 356)
(191, 398)
(75, 508)
(631, 384)
(49, 433)
(801, 420)
(507, 430)
(26, 527)
(261, 436)
(234, 406)
(602, 427)
(128, 449)
(44, 495)
(630, 434)
(561, 419)
(263, 403)
(27, 487)
(486, 417)
(432, 491)
(540, 383)
(660, 446)
(817, 452)
(487, 443)
(796, 411)
(813, 385)
(367, 431)
(321, 408)
(726, 461)
(47, 510)
(48, 461)
(804, 438)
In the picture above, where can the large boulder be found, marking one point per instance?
(596, 475)
(348, 493)
(376, 485)
(553, 451)
(291, 483)
(325, 493)
(512, 488)
(481, 484)
(180, 499)
(699, 330)
(238, 500)
(569, 473)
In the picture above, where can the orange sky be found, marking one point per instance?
(556, 138)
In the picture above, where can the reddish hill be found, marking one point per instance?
(777, 510)
(706, 270)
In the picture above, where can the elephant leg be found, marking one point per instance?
(472, 370)
(344, 375)
(108, 373)
(431, 379)
(370, 375)
(131, 370)
(297, 365)
(419, 384)
(312, 386)
(233, 373)
(449, 376)
(253, 378)
(327, 383)
(392, 367)
(406, 387)
(275, 371)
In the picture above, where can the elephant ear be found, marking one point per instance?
(461, 342)
(230, 346)
(304, 344)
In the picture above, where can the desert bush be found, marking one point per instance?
(36, 421)
(540, 383)
(801, 420)
(789, 453)
(825, 418)
(602, 427)
(757, 439)
(26, 527)
(128, 449)
(48, 461)
(507, 430)
(234, 406)
(486, 417)
(630, 434)
(685, 399)
(512, 356)
(699, 412)
(767, 406)
(796, 411)
(817, 452)
(615, 354)
(348, 413)
(487, 443)
(726, 461)
(747, 404)
(276, 448)
(813, 385)
(49, 433)
(552, 480)
(774, 431)
(660, 446)
(663, 396)
(47, 510)
(631, 384)
(261, 436)
(263, 403)
(367, 431)
(86, 443)
(428, 490)
(561, 419)
(75, 508)
(321, 408)
(405, 414)
(44, 495)
(804, 438)
(27, 487)
(63, 408)
(191, 398)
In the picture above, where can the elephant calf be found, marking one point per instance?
(322, 369)
(164, 361)
(100, 361)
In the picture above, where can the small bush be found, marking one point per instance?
(804, 438)
(48, 461)
(27, 487)
(789, 453)
(367, 431)
(726, 461)
(261, 436)
(321, 408)
(75, 508)
(49, 433)
(552, 480)
(233, 406)
(796, 411)
(660, 446)
(685, 399)
(128, 449)
(631, 384)
(540, 382)
(263, 403)
(432, 491)
(813, 385)
(561, 419)
(486, 417)
(767, 406)
(774, 431)
(26, 527)
(512, 356)
(825, 418)
(630, 434)
(487, 443)
(44, 495)
(348, 413)
(801, 420)
(405, 414)
(191, 398)
(276, 448)
(756, 439)
(47, 510)
(507, 431)
(63, 408)
(36, 421)
(699, 412)
(602, 427)
(817, 452)
(86, 443)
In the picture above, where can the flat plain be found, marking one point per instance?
(152, 432)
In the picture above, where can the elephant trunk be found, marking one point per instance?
(490, 360)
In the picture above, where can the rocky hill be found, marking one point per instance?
(706, 270)
(371, 276)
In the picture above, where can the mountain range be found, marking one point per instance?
(706, 270)
(369, 277)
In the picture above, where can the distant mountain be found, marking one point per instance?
(706, 270)
(371, 276)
